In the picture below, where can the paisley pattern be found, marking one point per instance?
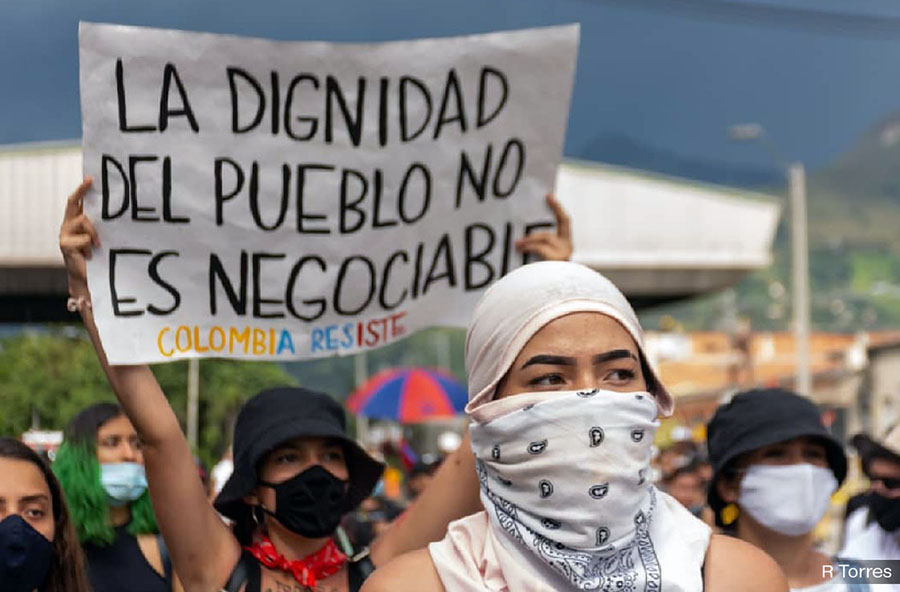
(599, 491)
(506, 513)
(589, 522)
(634, 568)
(546, 488)
(537, 447)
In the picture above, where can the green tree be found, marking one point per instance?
(48, 376)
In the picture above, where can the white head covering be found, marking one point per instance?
(518, 305)
(562, 474)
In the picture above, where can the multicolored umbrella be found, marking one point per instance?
(409, 395)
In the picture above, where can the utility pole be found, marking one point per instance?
(361, 374)
(800, 275)
(796, 176)
(193, 402)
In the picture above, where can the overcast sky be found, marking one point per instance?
(670, 74)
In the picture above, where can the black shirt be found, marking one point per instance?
(122, 566)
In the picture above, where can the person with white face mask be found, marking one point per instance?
(564, 410)
(776, 467)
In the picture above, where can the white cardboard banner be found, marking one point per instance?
(285, 200)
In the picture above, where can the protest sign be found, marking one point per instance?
(286, 200)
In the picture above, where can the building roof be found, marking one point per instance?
(34, 182)
(663, 238)
(658, 238)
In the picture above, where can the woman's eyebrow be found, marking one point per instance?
(551, 360)
(39, 497)
(613, 355)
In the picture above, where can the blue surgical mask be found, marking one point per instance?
(123, 482)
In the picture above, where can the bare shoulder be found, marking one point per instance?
(733, 565)
(410, 572)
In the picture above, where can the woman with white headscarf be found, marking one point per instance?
(564, 409)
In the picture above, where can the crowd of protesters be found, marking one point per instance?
(555, 486)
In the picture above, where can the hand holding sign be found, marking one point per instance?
(77, 238)
(550, 246)
(273, 200)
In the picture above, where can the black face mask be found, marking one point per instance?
(311, 503)
(25, 556)
(886, 512)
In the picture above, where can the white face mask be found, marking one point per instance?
(567, 476)
(790, 499)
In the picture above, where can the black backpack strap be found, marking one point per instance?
(165, 558)
(358, 569)
(245, 570)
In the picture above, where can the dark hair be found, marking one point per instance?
(83, 427)
(78, 471)
(649, 377)
(67, 572)
(686, 468)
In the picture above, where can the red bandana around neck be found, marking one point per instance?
(324, 563)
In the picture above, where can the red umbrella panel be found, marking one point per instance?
(409, 395)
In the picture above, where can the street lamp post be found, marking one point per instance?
(796, 177)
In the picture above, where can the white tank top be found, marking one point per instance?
(476, 556)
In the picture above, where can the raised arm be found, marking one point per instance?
(452, 494)
(202, 547)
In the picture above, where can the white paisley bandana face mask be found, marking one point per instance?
(567, 477)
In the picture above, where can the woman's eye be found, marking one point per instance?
(546, 380)
(34, 513)
(815, 454)
(286, 457)
(774, 453)
(335, 455)
(621, 375)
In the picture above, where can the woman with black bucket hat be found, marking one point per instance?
(296, 472)
(775, 468)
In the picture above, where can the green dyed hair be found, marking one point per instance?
(78, 471)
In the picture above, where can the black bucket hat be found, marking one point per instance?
(276, 416)
(758, 418)
(888, 447)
